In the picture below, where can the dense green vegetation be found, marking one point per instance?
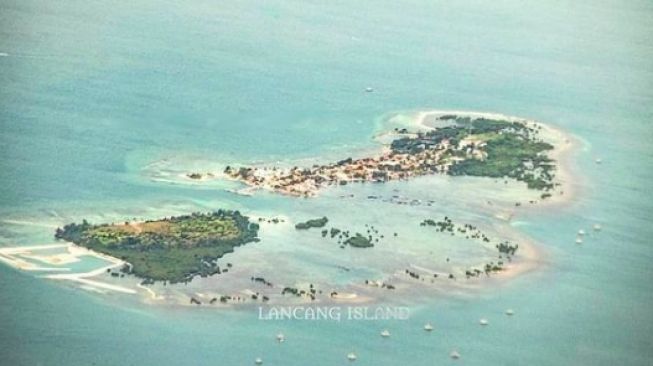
(344, 237)
(462, 128)
(511, 156)
(312, 223)
(510, 149)
(173, 249)
(507, 248)
(359, 241)
(447, 225)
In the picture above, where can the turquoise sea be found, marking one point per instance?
(95, 92)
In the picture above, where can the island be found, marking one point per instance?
(200, 176)
(178, 249)
(481, 146)
(317, 223)
(359, 241)
(174, 249)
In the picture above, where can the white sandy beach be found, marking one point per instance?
(528, 258)
(13, 256)
(564, 145)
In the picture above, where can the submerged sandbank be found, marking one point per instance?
(239, 292)
(564, 144)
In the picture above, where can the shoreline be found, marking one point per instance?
(564, 144)
(454, 151)
(354, 293)
(530, 257)
(11, 256)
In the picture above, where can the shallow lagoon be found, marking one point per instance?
(87, 110)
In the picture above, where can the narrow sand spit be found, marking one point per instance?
(12, 256)
(529, 257)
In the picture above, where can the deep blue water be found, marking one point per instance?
(93, 91)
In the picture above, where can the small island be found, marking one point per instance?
(483, 147)
(317, 223)
(199, 176)
(174, 249)
(178, 249)
(359, 241)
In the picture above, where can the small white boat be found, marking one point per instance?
(281, 338)
(351, 356)
(258, 361)
(483, 321)
(579, 241)
(510, 312)
(598, 161)
(455, 355)
(428, 327)
(581, 232)
(597, 227)
(385, 333)
(369, 89)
